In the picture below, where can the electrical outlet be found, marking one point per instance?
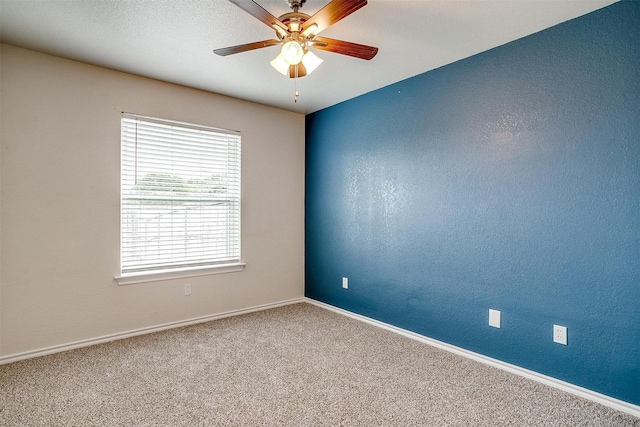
(187, 289)
(494, 318)
(345, 283)
(560, 334)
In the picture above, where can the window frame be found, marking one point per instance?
(168, 271)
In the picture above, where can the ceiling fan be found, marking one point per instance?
(296, 32)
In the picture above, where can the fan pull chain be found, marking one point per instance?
(295, 87)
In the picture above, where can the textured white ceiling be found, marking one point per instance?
(173, 40)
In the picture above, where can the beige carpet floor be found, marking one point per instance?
(298, 365)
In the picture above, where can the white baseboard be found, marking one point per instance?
(121, 335)
(602, 399)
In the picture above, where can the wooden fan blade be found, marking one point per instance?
(257, 11)
(345, 48)
(245, 47)
(331, 13)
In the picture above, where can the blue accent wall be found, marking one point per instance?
(509, 180)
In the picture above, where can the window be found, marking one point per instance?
(180, 196)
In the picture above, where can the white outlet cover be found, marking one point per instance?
(345, 283)
(494, 318)
(560, 334)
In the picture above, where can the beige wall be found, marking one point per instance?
(60, 140)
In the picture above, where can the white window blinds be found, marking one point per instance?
(180, 195)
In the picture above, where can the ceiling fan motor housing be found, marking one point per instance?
(294, 21)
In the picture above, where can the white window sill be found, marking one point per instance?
(148, 276)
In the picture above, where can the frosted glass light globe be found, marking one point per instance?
(292, 52)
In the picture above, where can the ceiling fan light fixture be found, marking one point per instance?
(296, 32)
(292, 52)
(311, 61)
(280, 64)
